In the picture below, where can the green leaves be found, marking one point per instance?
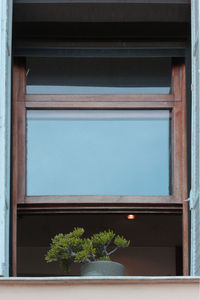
(72, 247)
(102, 238)
(120, 241)
(107, 258)
(64, 247)
(87, 253)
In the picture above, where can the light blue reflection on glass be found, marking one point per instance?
(98, 152)
(54, 89)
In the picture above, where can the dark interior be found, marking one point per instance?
(155, 249)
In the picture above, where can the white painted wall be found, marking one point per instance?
(195, 171)
(5, 110)
(127, 289)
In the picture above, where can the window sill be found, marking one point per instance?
(101, 280)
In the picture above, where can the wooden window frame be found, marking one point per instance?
(176, 102)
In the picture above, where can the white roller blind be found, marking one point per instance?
(194, 197)
(5, 88)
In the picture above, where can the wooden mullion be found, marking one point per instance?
(19, 80)
(92, 208)
(18, 107)
(185, 239)
(177, 81)
(180, 159)
(99, 105)
(77, 199)
(99, 98)
(21, 115)
(179, 142)
(177, 153)
(184, 190)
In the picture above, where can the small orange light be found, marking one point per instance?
(130, 217)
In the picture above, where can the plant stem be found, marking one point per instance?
(112, 251)
(105, 250)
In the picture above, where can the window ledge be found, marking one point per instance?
(67, 280)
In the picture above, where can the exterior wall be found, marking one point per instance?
(195, 158)
(5, 111)
(93, 289)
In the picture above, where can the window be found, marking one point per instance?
(155, 249)
(94, 134)
(98, 152)
(98, 75)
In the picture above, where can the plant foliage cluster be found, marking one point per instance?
(74, 248)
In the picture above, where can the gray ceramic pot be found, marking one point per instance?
(102, 268)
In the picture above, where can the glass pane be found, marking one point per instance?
(98, 75)
(98, 152)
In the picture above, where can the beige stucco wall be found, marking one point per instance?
(140, 289)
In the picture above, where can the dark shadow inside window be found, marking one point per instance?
(155, 249)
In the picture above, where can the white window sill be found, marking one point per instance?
(101, 280)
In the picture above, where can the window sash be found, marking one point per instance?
(173, 102)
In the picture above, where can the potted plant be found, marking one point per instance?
(94, 252)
